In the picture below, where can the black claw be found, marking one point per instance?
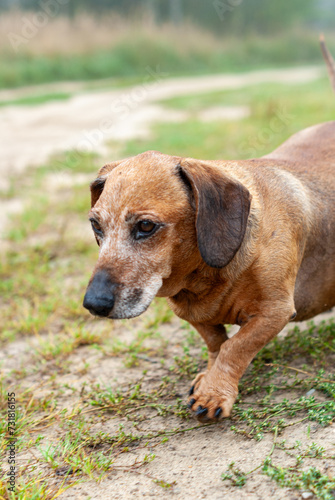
(218, 412)
(191, 403)
(191, 391)
(201, 411)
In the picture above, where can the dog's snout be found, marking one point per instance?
(99, 298)
(98, 305)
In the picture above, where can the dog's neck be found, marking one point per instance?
(203, 290)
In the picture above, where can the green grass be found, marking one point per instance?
(276, 112)
(32, 293)
(261, 97)
(131, 56)
(37, 99)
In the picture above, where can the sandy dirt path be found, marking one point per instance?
(30, 134)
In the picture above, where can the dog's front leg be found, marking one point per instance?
(214, 336)
(215, 391)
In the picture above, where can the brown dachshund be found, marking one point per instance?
(249, 242)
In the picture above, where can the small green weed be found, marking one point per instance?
(321, 485)
(235, 475)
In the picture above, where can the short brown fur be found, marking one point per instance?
(249, 242)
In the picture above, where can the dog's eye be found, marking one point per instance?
(145, 228)
(96, 227)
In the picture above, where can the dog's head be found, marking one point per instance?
(157, 218)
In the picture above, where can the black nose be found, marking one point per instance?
(99, 298)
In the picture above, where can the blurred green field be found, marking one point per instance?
(109, 48)
(131, 57)
(292, 107)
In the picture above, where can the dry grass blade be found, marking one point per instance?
(329, 61)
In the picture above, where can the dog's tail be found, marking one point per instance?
(329, 61)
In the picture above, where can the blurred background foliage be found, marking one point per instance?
(260, 16)
(54, 40)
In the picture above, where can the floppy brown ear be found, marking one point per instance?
(97, 186)
(222, 207)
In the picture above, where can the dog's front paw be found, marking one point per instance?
(196, 382)
(211, 398)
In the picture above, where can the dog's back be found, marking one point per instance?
(313, 145)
